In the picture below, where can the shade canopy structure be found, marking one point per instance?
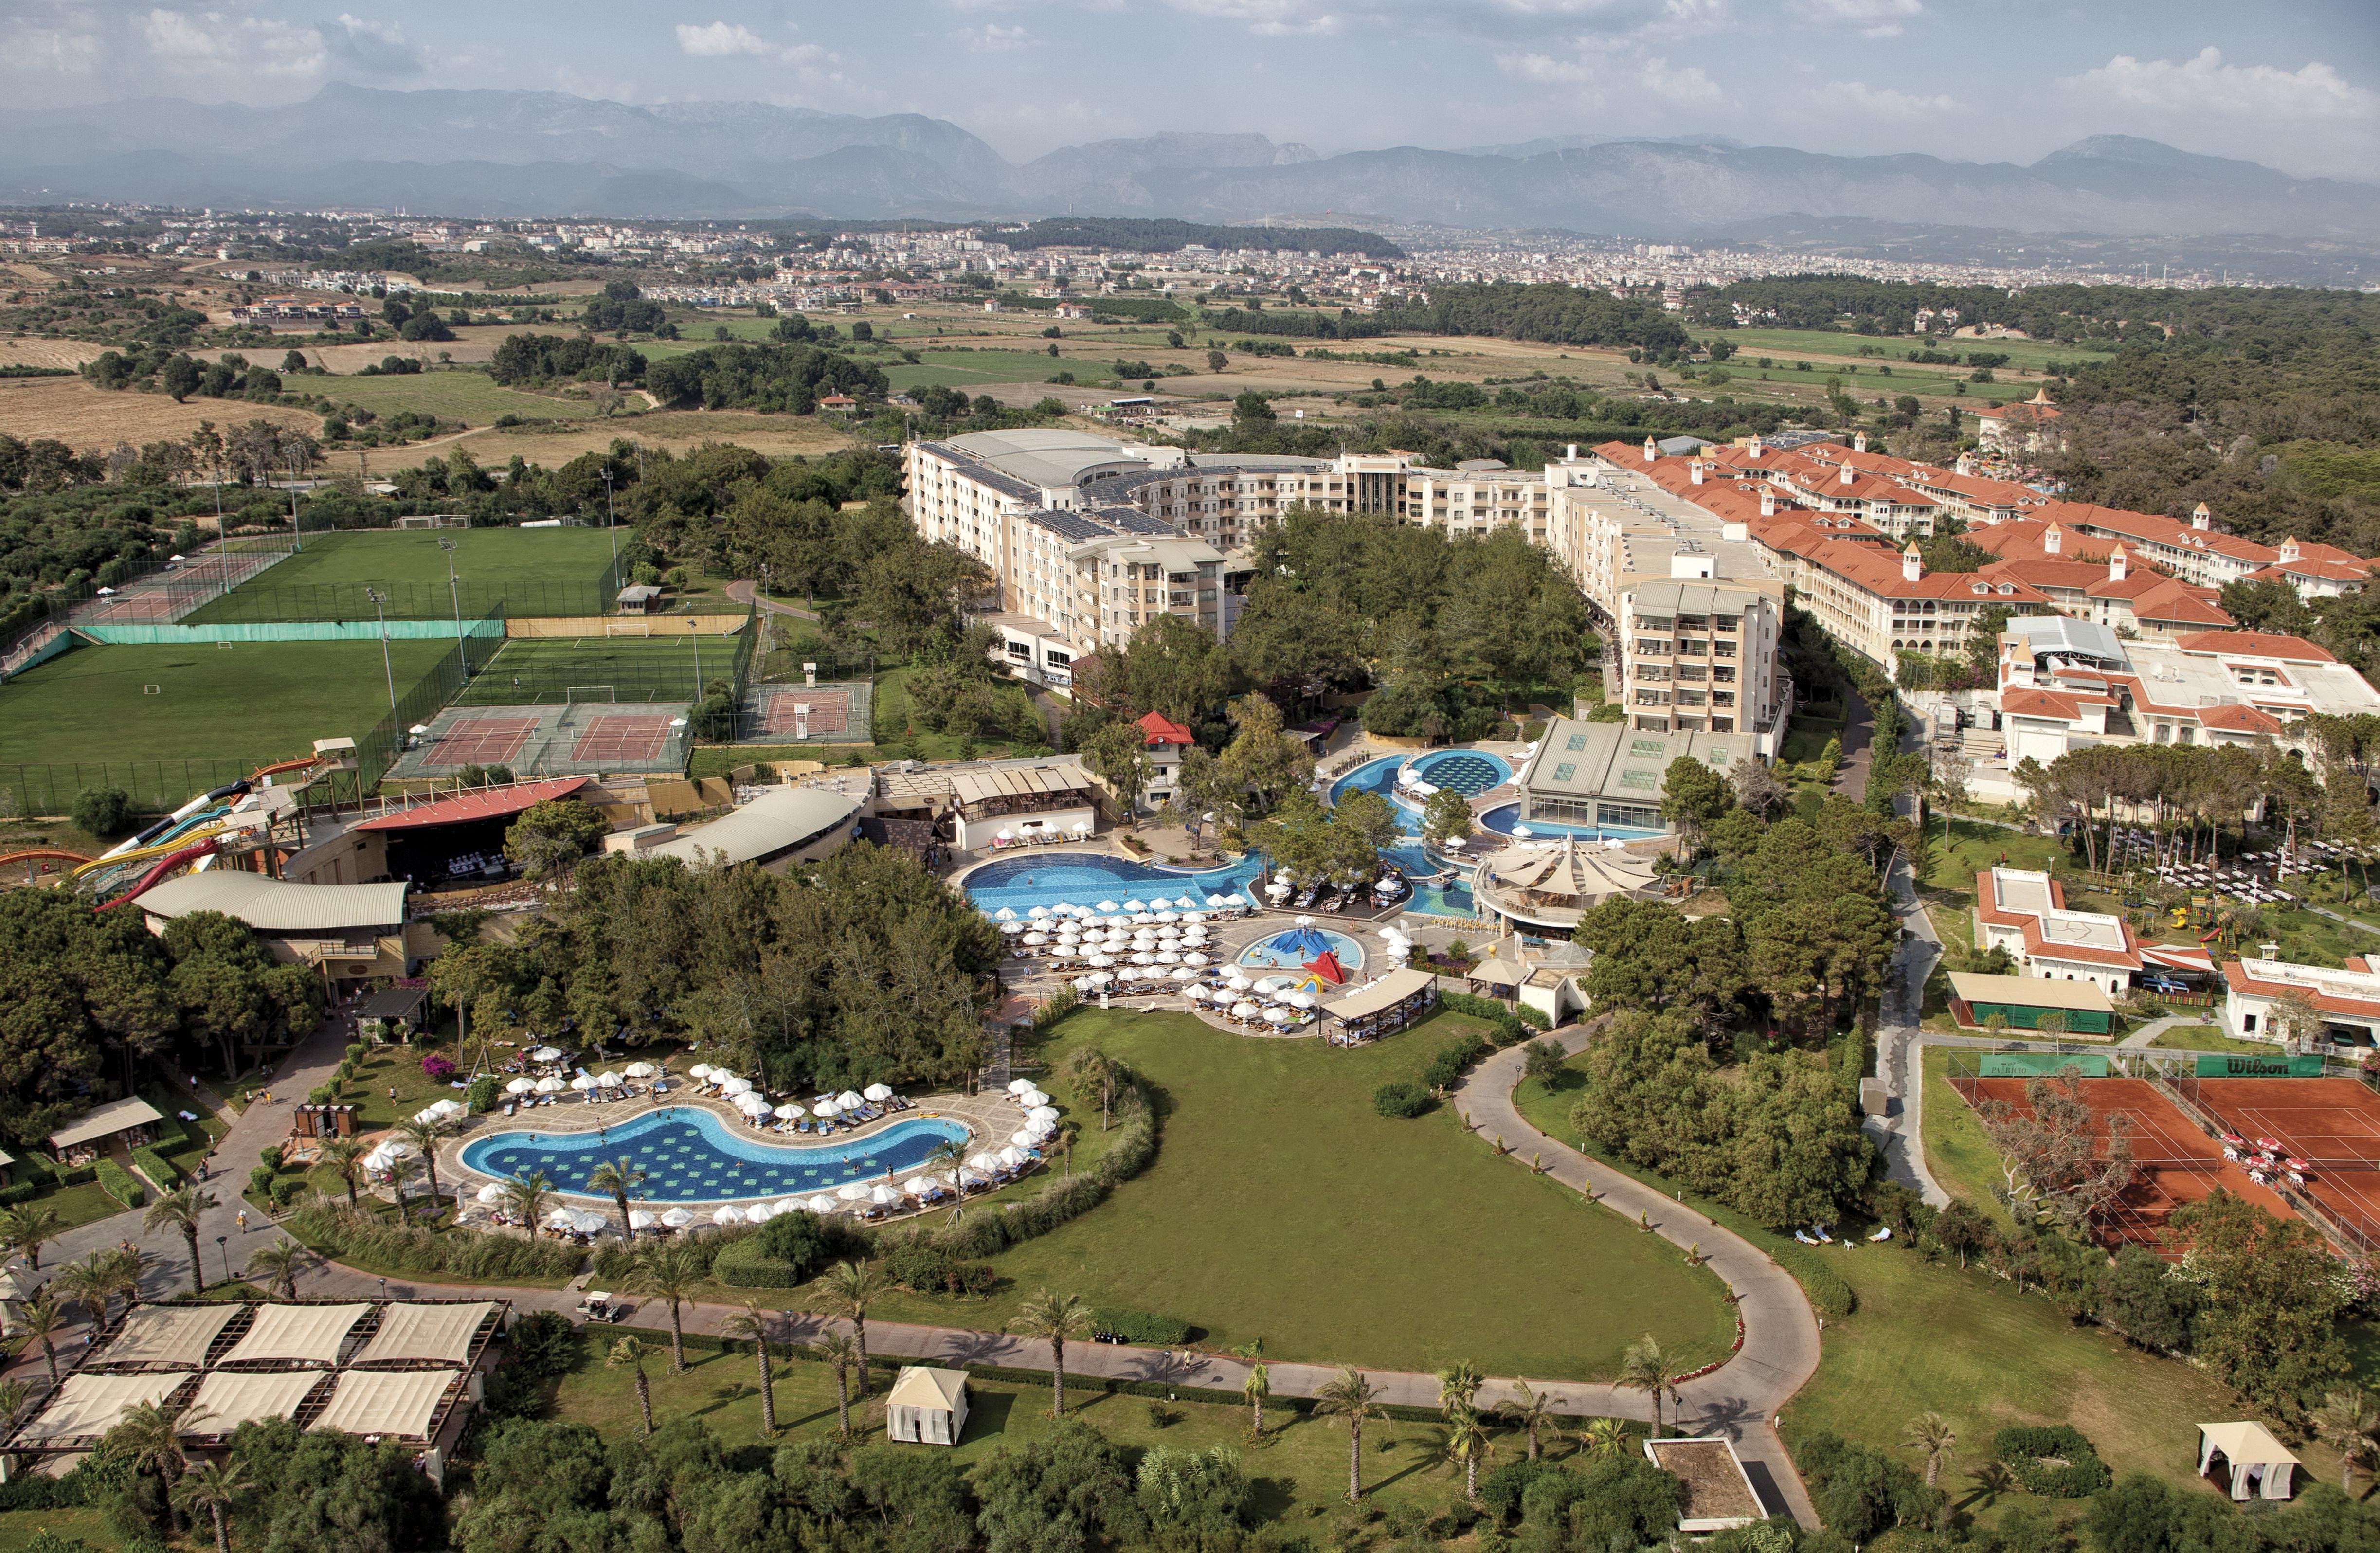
(86, 1406)
(1382, 995)
(638, 1069)
(174, 1335)
(2254, 1464)
(228, 1398)
(402, 1404)
(295, 1334)
(751, 1104)
(878, 1092)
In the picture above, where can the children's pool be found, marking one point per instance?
(688, 1154)
(1087, 878)
(1275, 954)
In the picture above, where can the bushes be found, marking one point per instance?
(1139, 1326)
(117, 1183)
(156, 1167)
(928, 1270)
(2030, 1451)
(106, 812)
(328, 1224)
(789, 1250)
(1447, 1067)
(481, 1096)
(1398, 1100)
(1828, 1292)
(744, 1264)
(1509, 1028)
(1862, 1491)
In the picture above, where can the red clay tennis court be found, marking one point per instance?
(481, 741)
(2176, 1162)
(772, 711)
(2331, 1123)
(615, 736)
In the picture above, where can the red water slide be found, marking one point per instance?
(163, 866)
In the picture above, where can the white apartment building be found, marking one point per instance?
(2347, 1000)
(1701, 657)
(2023, 911)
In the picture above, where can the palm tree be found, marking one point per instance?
(344, 1158)
(183, 1208)
(12, 1397)
(213, 1487)
(1467, 1442)
(42, 1318)
(1457, 1387)
(753, 1322)
(1531, 1410)
(1054, 1318)
(149, 1435)
(424, 1132)
(1256, 1386)
(280, 1264)
(29, 1226)
(526, 1195)
(124, 1266)
(89, 1282)
(2348, 1421)
(1352, 1397)
(944, 1160)
(1603, 1439)
(1645, 1368)
(837, 1349)
(630, 1354)
(619, 1177)
(1932, 1433)
(670, 1270)
(851, 1288)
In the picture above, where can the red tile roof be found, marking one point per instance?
(499, 802)
(1164, 730)
(2040, 703)
(2237, 977)
(2240, 719)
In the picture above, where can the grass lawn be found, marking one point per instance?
(1965, 1344)
(19, 1528)
(217, 709)
(77, 1206)
(1958, 1153)
(963, 368)
(1299, 1466)
(2206, 1037)
(638, 669)
(1974, 847)
(325, 580)
(471, 397)
(1282, 1206)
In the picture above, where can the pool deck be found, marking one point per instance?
(989, 1118)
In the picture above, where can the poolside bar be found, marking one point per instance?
(1384, 1006)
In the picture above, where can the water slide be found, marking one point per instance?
(157, 841)
(33, 853)
(164, 867)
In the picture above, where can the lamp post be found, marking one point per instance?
(396, 733)
(296, 542)
(611, 523)
(223, 1246)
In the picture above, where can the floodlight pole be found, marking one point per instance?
(397, 730)
(455, 592)
(297, 540)
(611, 523)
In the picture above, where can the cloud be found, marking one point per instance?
(723, 40)
(211, 43)
(1872, 19)
(57, 49)
(370, 47)
(1689, 85)
(1544, 69)
(1883, 102)
(992, 38)
(2206, 85)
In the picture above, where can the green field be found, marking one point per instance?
(522, 571)
(217, 708)
(962, 368)
(472, 397)
(638, 669)
(1795, 345)
(1282, 1206)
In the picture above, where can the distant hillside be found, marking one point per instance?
(1166, 236)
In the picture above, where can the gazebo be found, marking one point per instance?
(926, 1406)
(2246, 1458)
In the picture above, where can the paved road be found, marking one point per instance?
(744, 592)
(1899, 1132)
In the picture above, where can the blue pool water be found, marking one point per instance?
(1267, 954)
(1468, 771)
(1087, 878)
(689, 1156)
(1502, 818)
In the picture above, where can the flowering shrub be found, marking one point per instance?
(438, 1068)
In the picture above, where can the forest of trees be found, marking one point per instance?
(1552, 314)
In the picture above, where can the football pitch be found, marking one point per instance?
(532, 672)
(519, 571)
(242, 705)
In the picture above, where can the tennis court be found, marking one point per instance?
(164, 597)
(474, 739)
(614, 739)
(830, 713)
(2175, 1162)
(2332, 1124)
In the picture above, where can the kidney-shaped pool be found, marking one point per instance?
(690, 1155)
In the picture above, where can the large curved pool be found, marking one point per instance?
(689, 1156)
(1085, 878)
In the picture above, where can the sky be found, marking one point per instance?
(2294, 84)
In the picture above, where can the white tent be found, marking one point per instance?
(2254, 1464)
(926, 1406)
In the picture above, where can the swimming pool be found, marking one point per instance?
(1502, 818)
(1266, 953)
(1467, 771)
(1085, 878)
(689, 1156)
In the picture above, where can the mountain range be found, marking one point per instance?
(530, 153)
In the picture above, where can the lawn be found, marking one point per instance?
(1958, 1154)
(638, 669)
(2206, 1037)
(964, 368)
(473, 398)
(1299, 1466)
(1974, 847)
(522, 571)
(1282, 1206)
(19, 1528)
(1965, 1344)
(218, 712)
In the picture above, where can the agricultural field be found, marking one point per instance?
(83, 416)
(471, 397)
(1812, 344)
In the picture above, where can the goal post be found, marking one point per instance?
(627, 627)
(577, 696)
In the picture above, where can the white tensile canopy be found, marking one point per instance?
(88, 1405)
(228, 1398)
(432, 1333)
(297, 1334)
(167, 1334)
(402, 1403)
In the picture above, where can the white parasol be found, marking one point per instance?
(787, 1111)
(677, 1218)
(852, 1192)
(727, 1213)
(878, 1092)
(638, 1069)
(700, 1070)
(849, 1100)
(549, 1086)
(820, 1204)
(491, 1192)
(520, 1085)
(639, 1220)
(824, 1108)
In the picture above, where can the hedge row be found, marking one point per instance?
(156, 1167)
(1825, 1286)
(2024, 1447)
(1139, 1326)
(746, 1264)
(1509, 1029)
(1117, 1387)
(117, 1183)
